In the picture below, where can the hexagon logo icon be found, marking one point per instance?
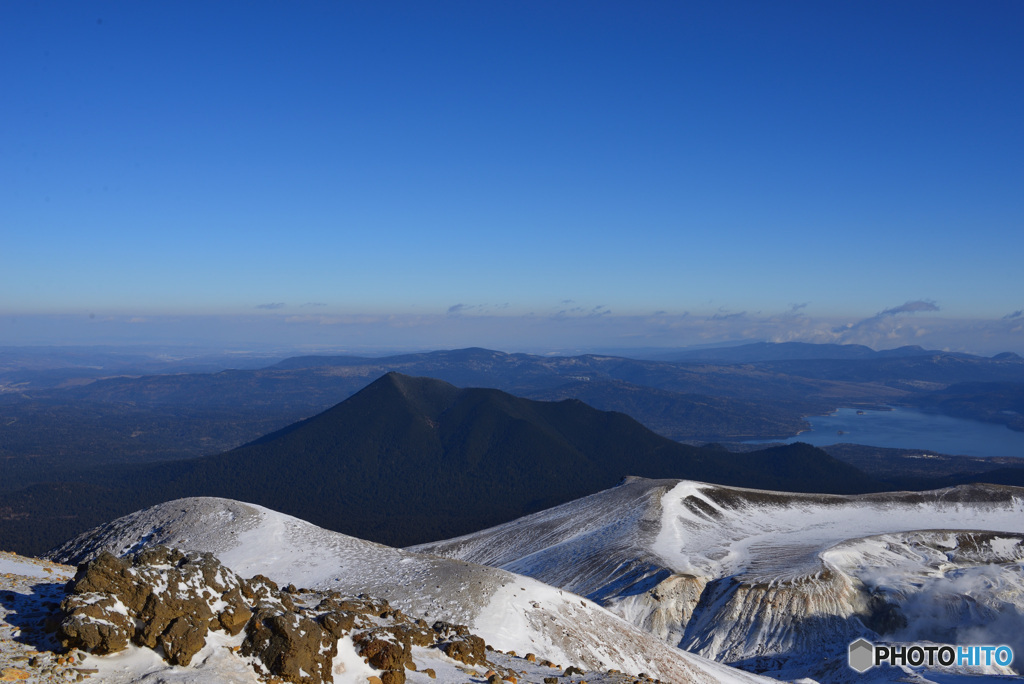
(862, 655)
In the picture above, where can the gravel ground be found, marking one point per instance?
(30, 592)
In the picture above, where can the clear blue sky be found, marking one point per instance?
(478, 168)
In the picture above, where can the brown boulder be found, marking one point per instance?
(291, 646)
(164, 608)
(260, 588)
(338, 622)
(415, 635)
(447, 629)
(183, 639)
(382, 654)
(233, 618)
(469, 649)
(392, 677)
(158, 597)
(97, 625)
(108, 574)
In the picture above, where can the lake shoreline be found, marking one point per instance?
(903, 427)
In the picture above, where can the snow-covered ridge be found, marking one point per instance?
(702, 529)
(713, 530)
(763, 579)
(509, 611)
(591, 546)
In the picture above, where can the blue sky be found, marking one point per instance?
(535, 173)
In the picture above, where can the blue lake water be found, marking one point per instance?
(903, 428)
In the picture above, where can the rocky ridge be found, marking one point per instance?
(179, 605)
(168, 599)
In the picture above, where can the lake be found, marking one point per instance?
(903, 428)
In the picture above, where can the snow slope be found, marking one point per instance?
(766, 580)
(510, 612)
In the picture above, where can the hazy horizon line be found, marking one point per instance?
(914, 323)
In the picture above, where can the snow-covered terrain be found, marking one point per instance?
(772, 581)
(509, 611)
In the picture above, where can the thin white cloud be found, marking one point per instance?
(885, 326)
(794, 309)
(475, 309)
(723, 316)
(916, 306)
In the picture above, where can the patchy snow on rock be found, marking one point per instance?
(216, 662)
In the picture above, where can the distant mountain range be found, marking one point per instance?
(793, 351)
(557, 468)
(408, 460)
(68, 420)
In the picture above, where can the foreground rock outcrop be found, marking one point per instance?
(158, 597)
(166, 598)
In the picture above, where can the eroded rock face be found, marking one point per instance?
(665, 609)
(158, 597)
